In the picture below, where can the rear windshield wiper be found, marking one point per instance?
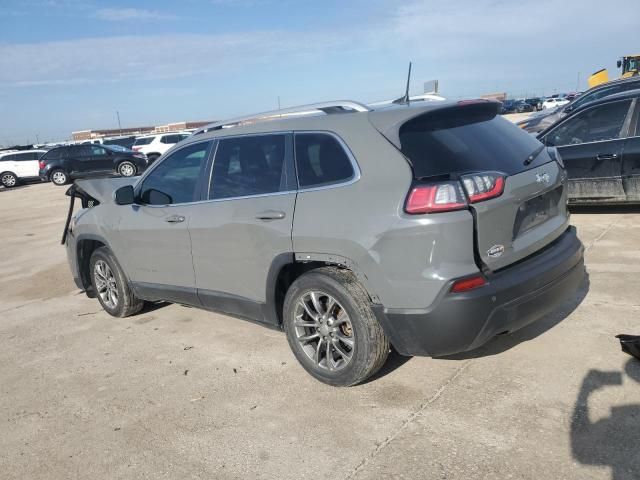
(533, 156)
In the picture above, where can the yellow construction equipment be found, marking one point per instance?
(630, 65)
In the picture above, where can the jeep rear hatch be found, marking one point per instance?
(506, 177)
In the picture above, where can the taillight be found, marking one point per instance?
(483, 186)
(438, 197)
(41, 164)
(469, 283)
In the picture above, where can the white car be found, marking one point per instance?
(554, 102)
(19, 165)
(155, 145)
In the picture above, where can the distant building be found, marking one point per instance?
(82, 135)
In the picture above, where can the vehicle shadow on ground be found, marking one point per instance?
(17, 187)
(502, 343)
(612, 440)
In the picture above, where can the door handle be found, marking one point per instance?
(271, 215)
(606, 156)
(174, 219)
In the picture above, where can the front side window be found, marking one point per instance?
(600, 123)
(321, 160)
(175, 180)
(98, 151)
(251, 165)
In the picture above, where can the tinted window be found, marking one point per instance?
(54, 154)
(170, 139)
(25, 156)
(604, 92)
(603, 122)
(465, 139)
(144, 141)
(79, 151)
(98, 151)
(249, 166)
(175, 179)
(321, 160)
(8, 157)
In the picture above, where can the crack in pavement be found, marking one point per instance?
(410, 418)
(599, 237)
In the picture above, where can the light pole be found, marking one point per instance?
(119, 126)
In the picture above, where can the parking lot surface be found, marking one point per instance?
(175, 392)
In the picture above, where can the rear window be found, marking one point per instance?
(144, 141)
(466, 139)
(54, 154)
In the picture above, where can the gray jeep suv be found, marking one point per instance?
(427, 227)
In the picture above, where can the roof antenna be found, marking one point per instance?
(405, 99)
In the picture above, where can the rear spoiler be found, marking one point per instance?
(389, 121)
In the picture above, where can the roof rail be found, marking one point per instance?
(328, 108)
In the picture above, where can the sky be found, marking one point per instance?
(69, 65)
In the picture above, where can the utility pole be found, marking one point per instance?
(119, 126)
(278, 102)
(37, 139)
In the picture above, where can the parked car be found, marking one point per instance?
(554, 102)
(599, 144)
(522, 107)
(18, 166)
(538, 123)
(155, 145)
(536, 103)
(430, 227)
(508, 106)
(124, 141)
(61, 164)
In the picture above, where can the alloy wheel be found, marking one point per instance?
(8, 180)
(59, 178)
(106, 284)
(324, 331)
(127, 170)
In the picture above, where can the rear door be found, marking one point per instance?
(246, 223)
(27, 164)
(454, 142)
(591, 144)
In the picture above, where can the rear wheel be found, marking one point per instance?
(332, 329)
(127, 169)
(59, 177)
(9, 179)
(111, 286)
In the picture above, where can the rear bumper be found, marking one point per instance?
(514, 297)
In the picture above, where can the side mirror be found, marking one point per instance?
(125, 195)
(568, 109)
(619, 63)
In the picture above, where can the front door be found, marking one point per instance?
(101, 159)
(591, 145)
(245, 226)
(153, 239)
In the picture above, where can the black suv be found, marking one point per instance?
(61, 164)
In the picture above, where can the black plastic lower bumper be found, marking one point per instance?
(513, 298)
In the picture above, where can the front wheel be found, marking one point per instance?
(9, 180)
(332, 329)
(59, 177)
(127, 169)
(111, 286)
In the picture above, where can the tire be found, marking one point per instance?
(111, 286)
(9, 179)
(152, 157)
(309, 336)
(127, 169)
(59, 177)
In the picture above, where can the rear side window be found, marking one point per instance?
(251, 165)
(466, 139)
(54, 154)
(605, 92)
(321, 160)
(143, 141)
